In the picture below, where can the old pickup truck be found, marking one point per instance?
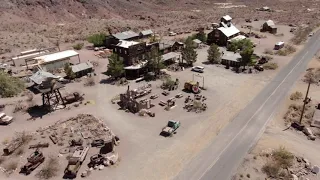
(171, 127)
(4, 119)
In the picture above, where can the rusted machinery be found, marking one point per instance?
(74, 97)
(34, 160)
(75, 162)
(97, 160)
(76, 142)
(192, 86)
(12, 146)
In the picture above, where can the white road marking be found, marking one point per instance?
(215, 161)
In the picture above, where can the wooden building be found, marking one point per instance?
(226, 31)
(269, 26)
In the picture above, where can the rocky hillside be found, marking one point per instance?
(34, 23)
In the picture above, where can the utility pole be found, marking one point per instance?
(305, 101)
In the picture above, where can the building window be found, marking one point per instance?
(125, 51)
(119, 50)
(115, 50)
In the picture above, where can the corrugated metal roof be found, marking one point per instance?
(197, 41)
(125, 35)
(165, 44)
(41, 76)
(146, 32)
(231, 56)
(229, 31)
(169, 56)
(57, 56)
(126, 44)
(237, 38)
(227, 18)
(80, 67)
(270, 23)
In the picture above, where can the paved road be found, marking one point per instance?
(221, 158)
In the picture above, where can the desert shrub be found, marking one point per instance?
(50, 169)
(10, 86)
(78, 46)
(270, 66)
(167, 82)
(296, 96)
(268, 51)
(89, 82)
(248, 176)
(268, 57)
(24, 137)
(286, 50)
(68, 70)
(20, 107)
(312, 75)
(271, 169)
(29, 97)
(301, 35)
(283, 157)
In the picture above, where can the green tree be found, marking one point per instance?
(97, 39)
(78, 46)
(201, 36)
(155, 63)
(115, 66)
(239, 44)
(68, 70)
(247, 56)
(214, 54)
(153, 39)
(10, 86)
(188, 53)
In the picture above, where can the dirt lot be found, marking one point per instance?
(227, 94)
(275, 136)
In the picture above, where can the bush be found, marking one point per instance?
(286, 50)
(78, 46)
(283, 157)
(49, 170)
(90, 82)
(68, 70)
(97, 39)
(271, 169)
(268, 51)
(167, 82)
(20, 107)
(270, 66)
(301, 35)
(296, 96)
(23, 137)
(10, 86)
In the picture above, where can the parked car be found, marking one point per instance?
(172, 33)
(199, 69)
(311, 34)
(258, 67)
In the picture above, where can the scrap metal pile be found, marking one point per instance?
(77, 138)
(197, 104)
